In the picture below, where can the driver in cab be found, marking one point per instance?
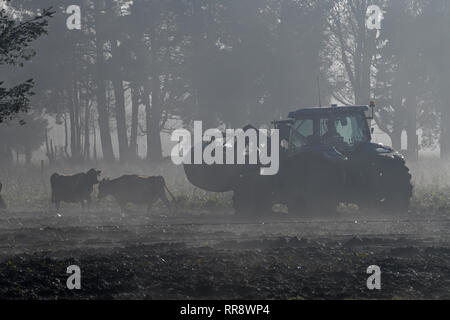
(332, 137)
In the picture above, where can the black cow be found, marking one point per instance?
(2, 202)
(73, 188)
(135, 189)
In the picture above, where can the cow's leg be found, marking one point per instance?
(57, 205)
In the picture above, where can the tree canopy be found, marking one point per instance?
(16, 36)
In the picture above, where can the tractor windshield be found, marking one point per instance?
(345, 131)
(341, 130)
(303, 131)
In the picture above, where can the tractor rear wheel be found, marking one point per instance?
(252, 197)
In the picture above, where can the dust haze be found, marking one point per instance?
(103, 85)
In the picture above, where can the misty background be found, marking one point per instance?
(137, 70)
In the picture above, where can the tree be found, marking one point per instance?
(397, 73)
(15, 39)
(351, 52)
(256, 60)
(435, 27)
(157, 49)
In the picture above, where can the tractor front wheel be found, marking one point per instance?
(389, 187)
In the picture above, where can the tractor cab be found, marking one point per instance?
(342, 128)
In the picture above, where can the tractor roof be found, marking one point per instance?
(301, 113)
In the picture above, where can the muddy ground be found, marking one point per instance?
(214, 255)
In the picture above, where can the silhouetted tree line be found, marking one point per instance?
(142, 67)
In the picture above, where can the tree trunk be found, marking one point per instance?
(73, 132)
(77, 122)
(28, 155)
(148, 120)
(119, 98)
(154, 146)
(411, 127)
(200, 45)
(95, 143)
(121, 119)
(153, 114)
(103, 115)
(87, 140)
(74, 114)
(396, 139)
(134, 120)
(66, 137)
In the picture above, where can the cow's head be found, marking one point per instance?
(104, 188)
(93, 176)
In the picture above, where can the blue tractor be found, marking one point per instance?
(326, 158)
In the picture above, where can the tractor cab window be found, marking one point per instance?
(343, 131)
(301, 133)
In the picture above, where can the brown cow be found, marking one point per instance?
(2, 202)
(135, 189)
(73, 188)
